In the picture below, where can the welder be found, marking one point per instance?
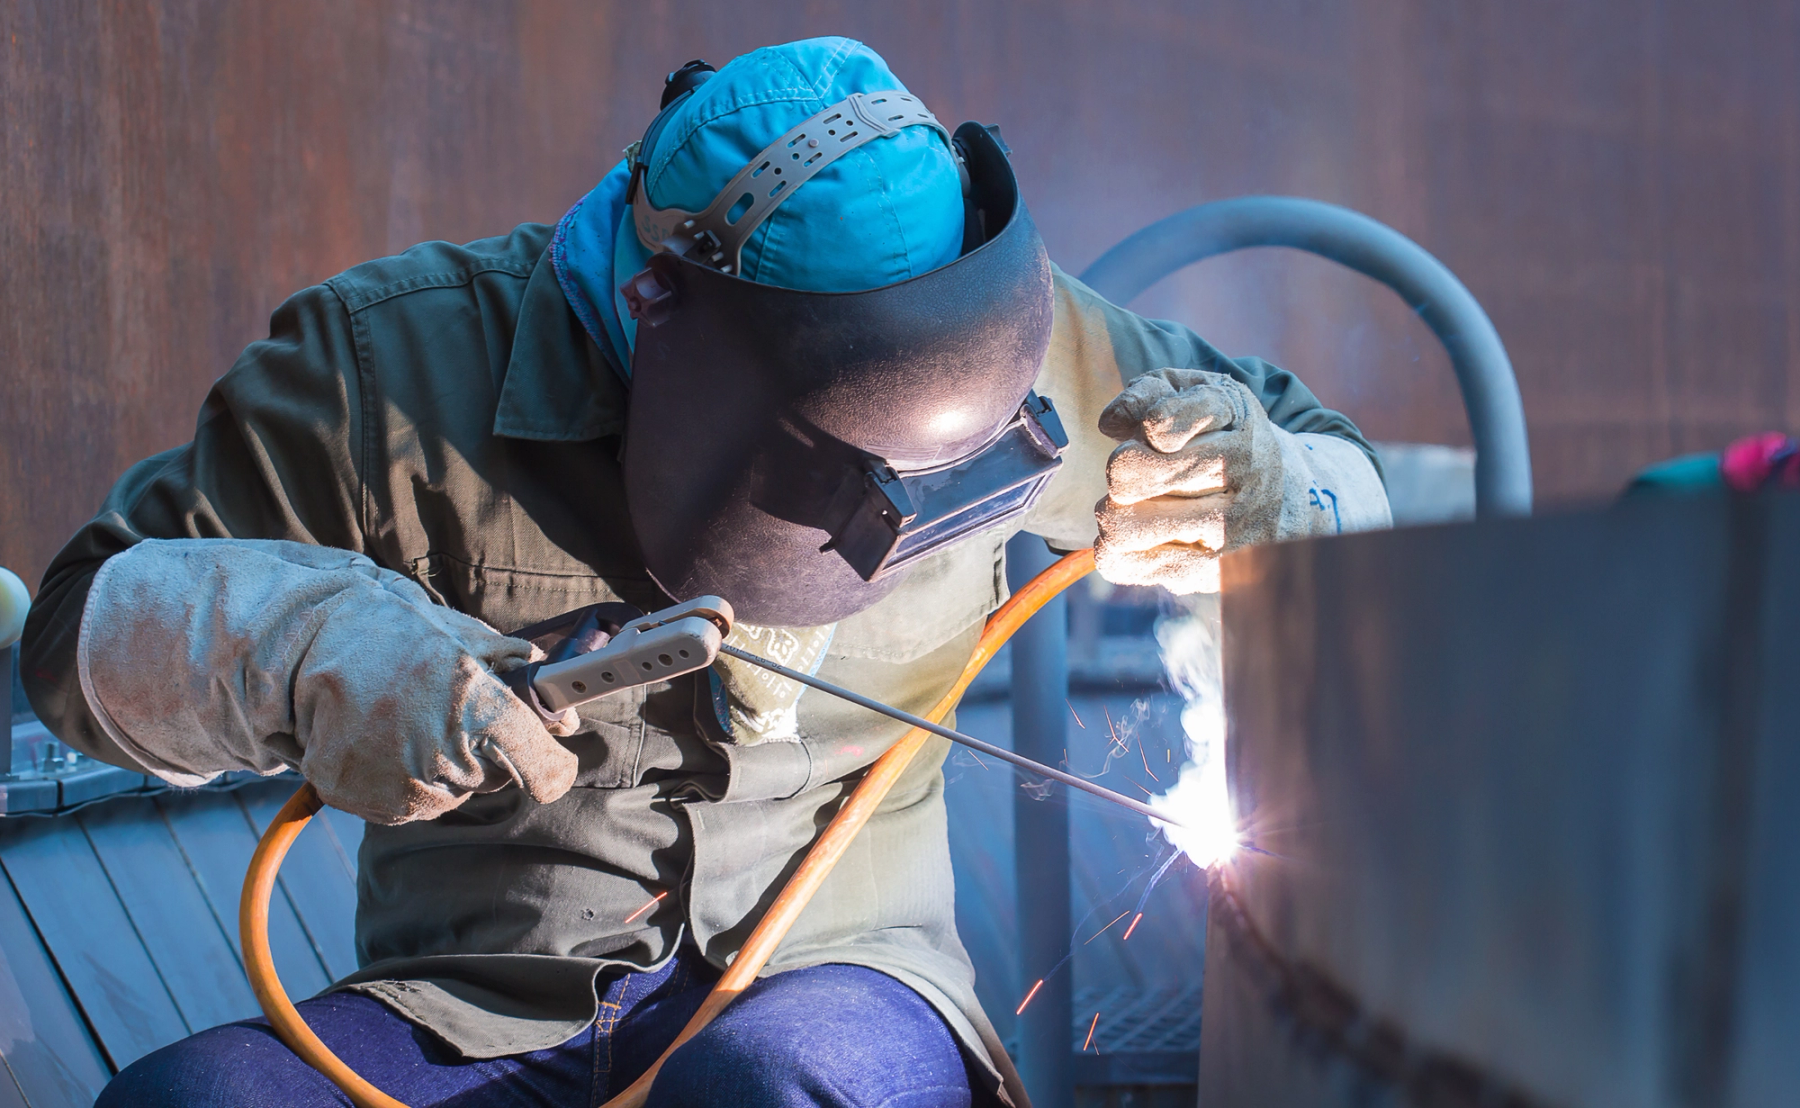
(802, 349)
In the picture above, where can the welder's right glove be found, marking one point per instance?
(1202, 470)
(204, 655)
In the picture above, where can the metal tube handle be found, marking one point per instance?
(1490, 391)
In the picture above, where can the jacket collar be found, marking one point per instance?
(559, 386)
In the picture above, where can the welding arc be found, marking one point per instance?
(969, 741)
(752, 956)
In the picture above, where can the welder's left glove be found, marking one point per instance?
(199, 656)
(1203, 470)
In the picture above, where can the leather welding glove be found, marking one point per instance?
(1202, 470)
(199, 656)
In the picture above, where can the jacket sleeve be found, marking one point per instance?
(1096, 348)
(275, 455)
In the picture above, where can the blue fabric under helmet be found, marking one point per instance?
(888, 211)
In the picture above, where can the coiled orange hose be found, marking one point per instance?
(259, 882)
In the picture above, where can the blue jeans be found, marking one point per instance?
(831, 1035)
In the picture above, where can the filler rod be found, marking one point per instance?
(969, 741)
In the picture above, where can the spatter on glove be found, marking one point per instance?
(1202, 470)
(199, 656)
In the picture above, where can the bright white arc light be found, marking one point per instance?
(1199, 798)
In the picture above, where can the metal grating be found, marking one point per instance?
(1138, 1022)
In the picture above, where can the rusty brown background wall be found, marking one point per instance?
(1618, 181)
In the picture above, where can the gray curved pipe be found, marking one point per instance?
(1489, 390)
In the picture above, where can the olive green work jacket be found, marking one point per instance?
(444, 413)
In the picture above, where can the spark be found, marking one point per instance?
(1115, 919)
(653, 902)
(1146, 759)
(1090, 1038)
(1113, 731)
(1072, 712)
(1028, 996)
(1147, 792)
(977, 757)
(1130, 929)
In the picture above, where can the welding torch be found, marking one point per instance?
(609, 657)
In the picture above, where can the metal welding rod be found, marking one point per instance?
(969, 741)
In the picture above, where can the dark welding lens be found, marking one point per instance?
(905, 516)
(917, 542)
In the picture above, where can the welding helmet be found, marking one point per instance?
(798, 452)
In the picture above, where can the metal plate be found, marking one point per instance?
(1526, 793)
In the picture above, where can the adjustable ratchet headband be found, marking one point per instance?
(715, 236)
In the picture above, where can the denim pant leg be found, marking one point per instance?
(831, 1035)
(641, 1014)
(243, 1065)
(835, 1035)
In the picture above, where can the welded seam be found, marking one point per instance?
(1326, 1020)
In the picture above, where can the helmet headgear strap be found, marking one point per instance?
(715, 237)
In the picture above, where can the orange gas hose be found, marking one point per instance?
(259, 963)
(259, 882)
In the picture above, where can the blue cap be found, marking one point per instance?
(890, 210)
